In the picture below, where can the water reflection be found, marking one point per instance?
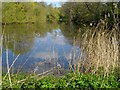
(40, 46)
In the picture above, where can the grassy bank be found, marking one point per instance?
(68, 81)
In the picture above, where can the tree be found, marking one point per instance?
(22, 12)
(86, 13)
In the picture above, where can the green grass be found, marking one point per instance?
(68, 81)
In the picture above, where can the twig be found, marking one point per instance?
(11, 67)
(36, 75)
(7, 56)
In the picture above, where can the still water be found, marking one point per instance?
(37, 47)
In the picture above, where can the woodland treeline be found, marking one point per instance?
(28, 12)
(70, 12)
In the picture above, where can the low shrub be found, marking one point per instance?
(68, 81)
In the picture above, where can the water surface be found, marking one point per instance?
(38, 47)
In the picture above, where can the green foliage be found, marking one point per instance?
(85, 13)
(69, 81)
(28, 12)
(81, 13)
(53, 14)
(78, 13)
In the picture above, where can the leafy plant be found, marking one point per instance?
(68, 81)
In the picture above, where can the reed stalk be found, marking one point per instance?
(100, 51)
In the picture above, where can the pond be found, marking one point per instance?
(38, 47)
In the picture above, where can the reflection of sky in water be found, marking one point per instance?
(53, 45)
(53, 41)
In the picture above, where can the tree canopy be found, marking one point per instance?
(82, 13)
(21, 12)
(78, 13)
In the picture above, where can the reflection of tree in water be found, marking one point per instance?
(21, 36)
(69, 31)
(42, 28)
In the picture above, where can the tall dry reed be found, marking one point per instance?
(100, 51)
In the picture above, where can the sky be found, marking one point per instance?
(55, 3)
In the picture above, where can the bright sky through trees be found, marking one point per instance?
(53, 3)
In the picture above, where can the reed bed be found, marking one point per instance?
(100, 51)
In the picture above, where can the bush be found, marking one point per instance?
(69, 81)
